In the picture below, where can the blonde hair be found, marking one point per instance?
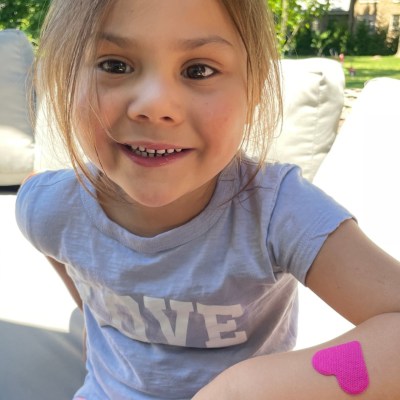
(69, 38)
(254, 23)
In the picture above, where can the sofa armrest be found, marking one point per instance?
(362, 169)
(16, 125)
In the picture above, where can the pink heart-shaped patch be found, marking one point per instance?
(346, 362)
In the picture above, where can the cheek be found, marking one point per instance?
(91, 116)
(225, 118)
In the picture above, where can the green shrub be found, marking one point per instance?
(330, 41)
(368, 42)
(336, 39)
(26, 15)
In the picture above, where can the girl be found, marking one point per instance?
(183, 253)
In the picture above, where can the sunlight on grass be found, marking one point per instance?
(366, 68)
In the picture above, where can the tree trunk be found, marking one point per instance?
(284, 22)
(351, 16)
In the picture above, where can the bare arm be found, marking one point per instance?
(362, 283)
(60, 268)
(354, 276)
(290, 376)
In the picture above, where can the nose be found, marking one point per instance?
(155, 99)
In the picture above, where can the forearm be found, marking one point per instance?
(291, 375)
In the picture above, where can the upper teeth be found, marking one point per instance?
(143, 151)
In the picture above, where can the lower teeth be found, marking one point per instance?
(151, 155)
(145, 154)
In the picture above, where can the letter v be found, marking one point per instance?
(157, 307)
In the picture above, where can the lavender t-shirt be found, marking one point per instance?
(166, 314)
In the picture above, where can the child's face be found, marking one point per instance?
(171, 78)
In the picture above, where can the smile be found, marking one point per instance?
(145, 152)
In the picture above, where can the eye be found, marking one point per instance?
(199, 71)
(114, 67)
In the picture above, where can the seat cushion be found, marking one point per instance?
(313, 94)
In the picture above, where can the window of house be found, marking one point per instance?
(395, 23)
(369, 20)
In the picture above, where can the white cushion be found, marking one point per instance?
(362, 169)
(50, 151)
(313, 91)
(16, 132)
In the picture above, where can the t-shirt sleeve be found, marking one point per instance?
(24, 208)
(302, 218)
(42, 208)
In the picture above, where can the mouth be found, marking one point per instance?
(150, 153)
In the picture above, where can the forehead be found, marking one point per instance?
(155, 22)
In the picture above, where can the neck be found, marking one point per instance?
(151, 221)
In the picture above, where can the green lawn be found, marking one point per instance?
(367, 68)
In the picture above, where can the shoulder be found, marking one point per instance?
(281, 183)
(49, 179)
(293, 196)
(44, 188)
(44, 200)
(302, 218)
(295, 215)
(268, 175)
(269, 182)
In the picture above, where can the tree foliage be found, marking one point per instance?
(291, 16)
(304, 28)
(26, 15)
(331, 41)
(336, 39)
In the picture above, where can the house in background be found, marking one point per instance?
(378, 14)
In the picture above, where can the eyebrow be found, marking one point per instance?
(191, 44)
(184, 44)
